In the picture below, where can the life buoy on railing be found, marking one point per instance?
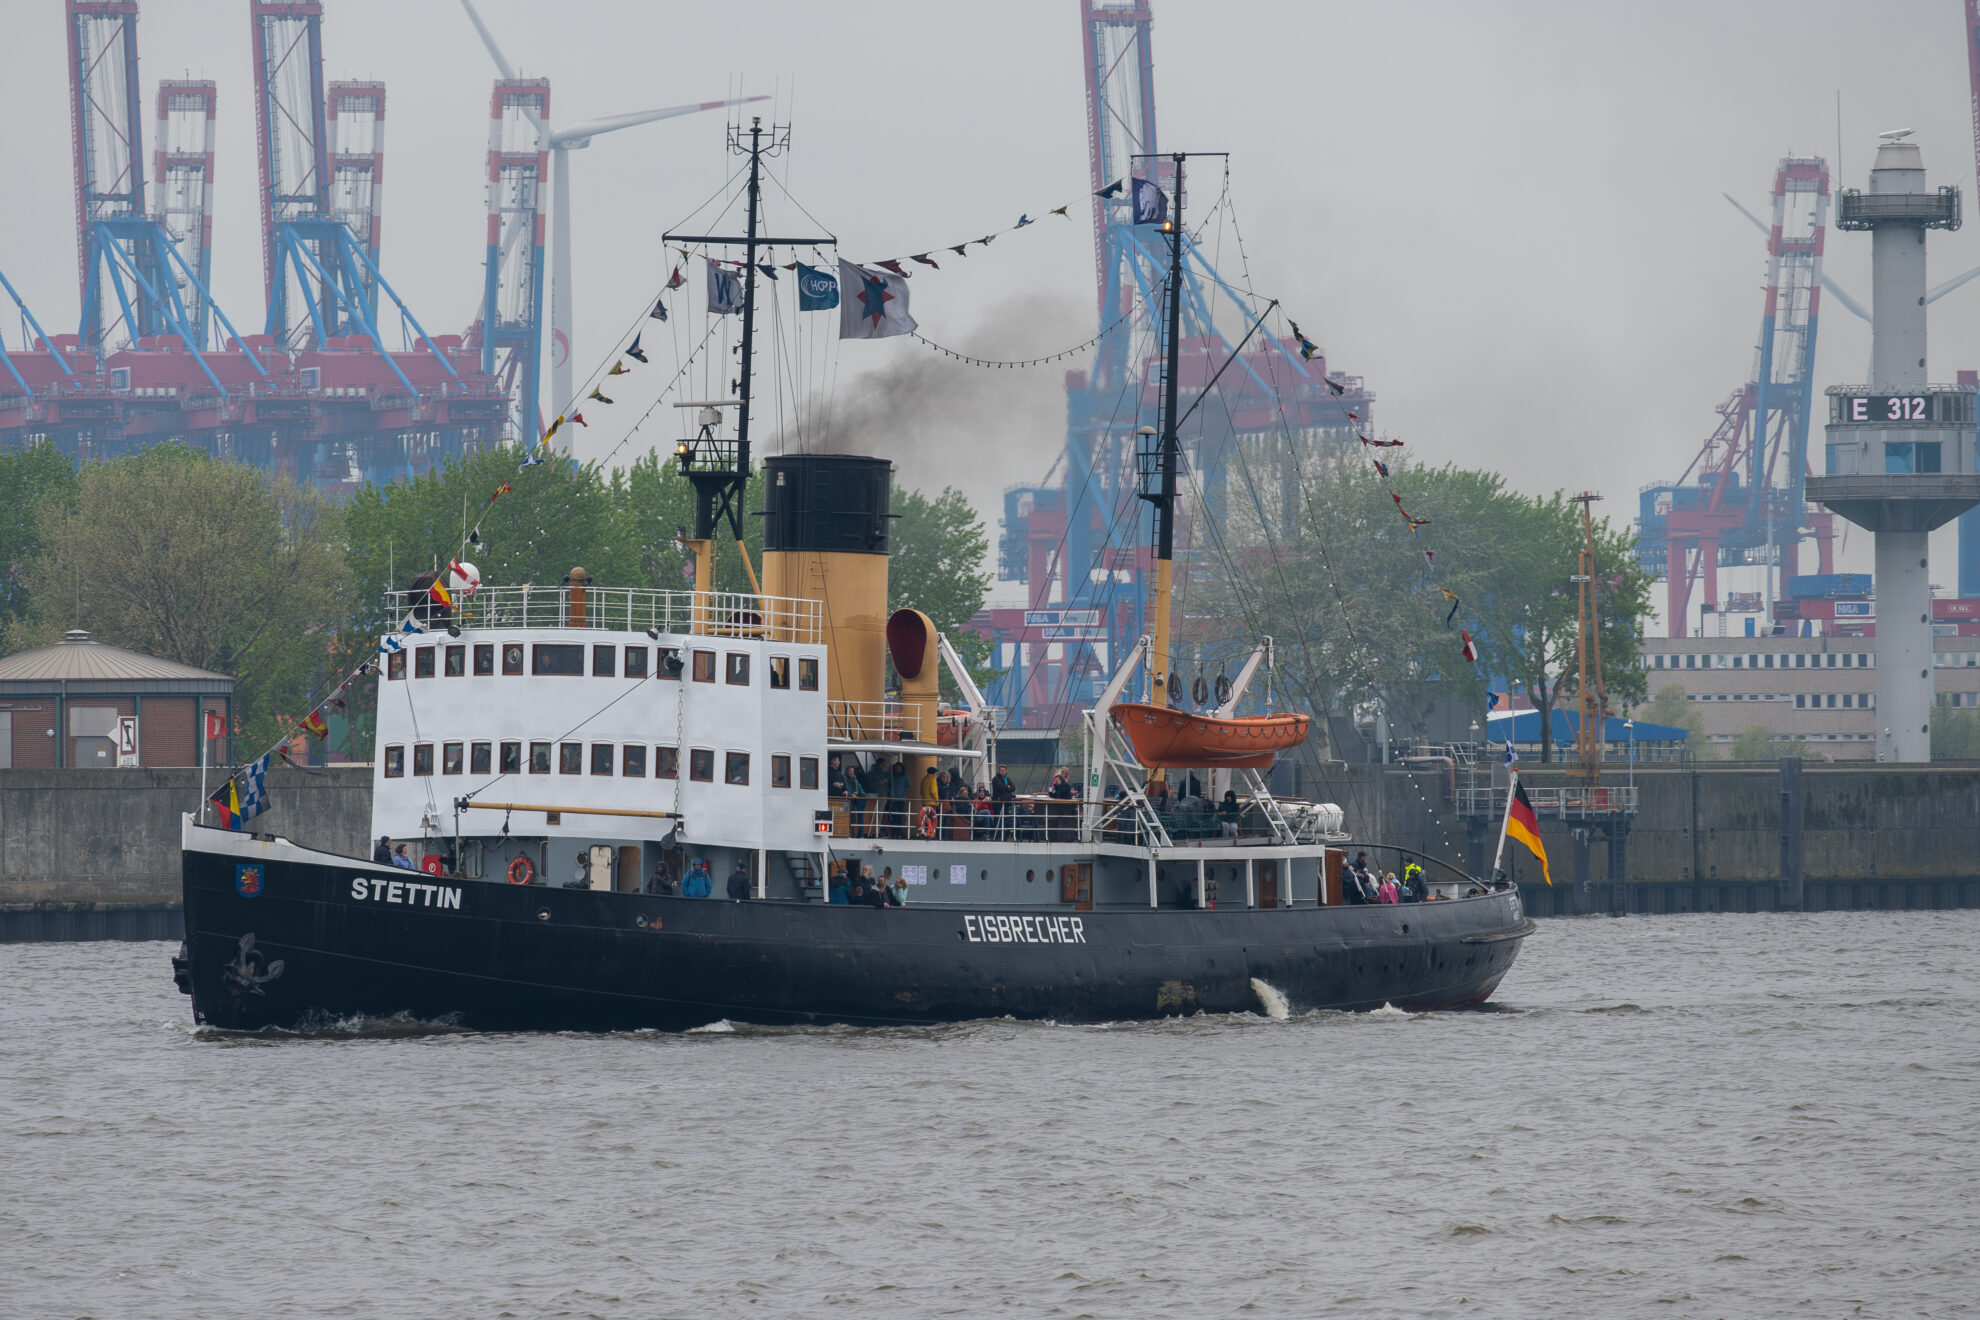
(925, 825)
(521, 871)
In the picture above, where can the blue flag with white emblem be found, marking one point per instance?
(1151, 204)
(873, 304)
(818, 290)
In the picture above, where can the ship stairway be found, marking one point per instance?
(1268, 806)
(804, 869)
(1150, 821)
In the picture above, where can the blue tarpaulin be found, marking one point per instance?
(1524, 726)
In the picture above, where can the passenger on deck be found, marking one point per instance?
(835, 778)
(929, 794)
(1158, 793)
(661, 882)
(1058, 813)
(1229, 813)
(983, 816)
(1004, 794)
(1386, 890)
(739, 881)
(399, 858)
(699, 882)
(897, 800)
(897, 897)
(855, 790)
(868, 891)
(1352, 891)
(382, 854)
(835, 888)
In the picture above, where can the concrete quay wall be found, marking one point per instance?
(94, 854)
(1706, 837)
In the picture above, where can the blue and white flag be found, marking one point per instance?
(876, 303)
(818, 290)
(1512, 753)
(1151, 204)
(725, 290)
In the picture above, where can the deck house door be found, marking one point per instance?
(1268, 884)
(1083, 887)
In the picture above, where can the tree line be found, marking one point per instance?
(226, 567)
(1321, 562)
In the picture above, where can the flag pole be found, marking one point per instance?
(201, 818)
(1512, 786)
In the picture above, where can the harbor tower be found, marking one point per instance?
(1900, 450)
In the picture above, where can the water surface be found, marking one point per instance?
(1737, 1116)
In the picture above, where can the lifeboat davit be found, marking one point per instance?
(1166, 739)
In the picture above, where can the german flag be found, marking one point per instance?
(227, 805)
(1524, 825)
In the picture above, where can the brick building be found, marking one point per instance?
(84, 704)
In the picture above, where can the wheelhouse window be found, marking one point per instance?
(601, 758)
(807, 674)
(780, 771)
(701, 766)
(450, 758)
(511, 758)
(735, 768)
(395, 665)
(395, 762)
(557, 659)
(457, 662)
(807, 772)
(780, 671)
(512, 657)
(423, 758)
(738, 669)
(670, 662)
(635, 662)
(423, 662)
(570, 759)
(539, 758)
(633, 763)
(604, 661)
(704, 666)
(484, 659)
(480, 758)
(666, 763)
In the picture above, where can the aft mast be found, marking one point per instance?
(719, 469)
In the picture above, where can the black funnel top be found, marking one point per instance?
(828, 502)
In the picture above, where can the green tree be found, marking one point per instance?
(1754, 743)
(1955, 734)
(935, 559)
(208, 563)
(33, 481)
(1670, 706)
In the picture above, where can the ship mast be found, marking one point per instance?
(719, 469)
(1157, 465)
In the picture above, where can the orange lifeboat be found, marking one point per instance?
(1165, 739)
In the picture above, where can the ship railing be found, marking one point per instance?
(872, 721)
(1574, 803)
(738, 614)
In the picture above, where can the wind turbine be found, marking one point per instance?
(561, 142)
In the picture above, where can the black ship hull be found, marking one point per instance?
(290, 939)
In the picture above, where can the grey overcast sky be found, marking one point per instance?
(1507, 216)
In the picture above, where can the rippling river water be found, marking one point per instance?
(1731, 1116)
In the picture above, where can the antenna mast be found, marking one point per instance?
(718, 468)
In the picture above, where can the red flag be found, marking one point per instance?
(315, 724)
(577, 419)
(925, 260)
(1470, 648)
(893, 265)
(216, 725)
(676, 280)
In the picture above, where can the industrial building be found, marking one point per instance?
(84, 704)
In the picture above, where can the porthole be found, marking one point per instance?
(1048, 876)
(543, 914)
(982, 875)
(1030, 876)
